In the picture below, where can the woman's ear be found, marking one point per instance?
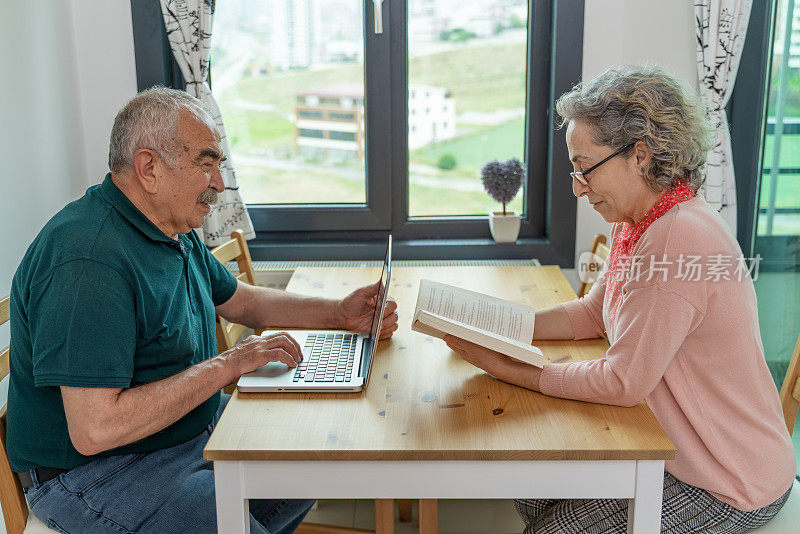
(641, 155)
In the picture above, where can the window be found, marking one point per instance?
(305, 114)
(777, 229)
(342, 136)
(317, 109)
(764, 114)
(318, 134)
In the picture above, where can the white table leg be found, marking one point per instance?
(644, 510)
(233, 511)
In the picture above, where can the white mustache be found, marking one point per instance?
(209, 197)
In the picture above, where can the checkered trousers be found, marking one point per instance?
(685, 509)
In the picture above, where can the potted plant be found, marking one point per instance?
(502, 181)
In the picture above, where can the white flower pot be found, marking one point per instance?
(504, 228)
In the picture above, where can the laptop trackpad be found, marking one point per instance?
(271, 370)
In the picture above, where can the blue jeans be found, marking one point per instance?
(171, 490)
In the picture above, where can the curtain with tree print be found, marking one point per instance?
(188, 24)
(721, 26)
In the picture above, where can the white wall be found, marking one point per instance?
(106, 74)
(67, 67)
(64, 78)
(39, 144)
(40, 149)
(616, 32)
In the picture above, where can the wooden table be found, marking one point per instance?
(432, 426)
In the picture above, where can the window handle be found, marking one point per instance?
(378, 15)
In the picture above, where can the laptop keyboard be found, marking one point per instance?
(327, 358)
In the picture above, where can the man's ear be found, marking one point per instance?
(144, 164)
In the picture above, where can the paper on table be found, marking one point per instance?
(509, 319)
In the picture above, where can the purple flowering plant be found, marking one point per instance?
(503, 180)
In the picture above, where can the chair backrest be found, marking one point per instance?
(15, 508)
(600, 250)
(790, 391)
(235, 249)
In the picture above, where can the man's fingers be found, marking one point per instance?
(297, 346)
(391, 306)
(280, 355)
(387, 332)
(286, 342)
(370, 290)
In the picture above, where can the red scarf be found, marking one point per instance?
(619, 262)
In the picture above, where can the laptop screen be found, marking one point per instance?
(380, 305)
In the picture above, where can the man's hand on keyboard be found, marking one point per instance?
(256, 351)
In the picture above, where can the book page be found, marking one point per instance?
(509, 319)
(437, 326)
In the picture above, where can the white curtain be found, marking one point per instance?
(188, 24)
(721, 26)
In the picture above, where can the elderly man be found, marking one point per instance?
(114, 376)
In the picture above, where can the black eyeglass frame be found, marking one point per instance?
(581, 175)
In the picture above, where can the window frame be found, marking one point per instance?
(343, 231)
(747, 116)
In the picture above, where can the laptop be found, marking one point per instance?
(333, 360)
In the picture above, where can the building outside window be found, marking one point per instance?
(342, 131)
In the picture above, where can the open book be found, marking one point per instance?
(497, 324)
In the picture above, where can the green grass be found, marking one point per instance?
(432, 201)
(250, 131)
(790, 150)
(787, 194)
(483, 79)
(313, 186)
(788, 191)
(280, 89)
(473, 150)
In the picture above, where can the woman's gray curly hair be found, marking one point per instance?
(630, 103)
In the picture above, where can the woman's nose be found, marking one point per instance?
(578, 189)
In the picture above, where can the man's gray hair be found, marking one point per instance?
(632, 103)
(150, 120)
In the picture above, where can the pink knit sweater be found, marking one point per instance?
(688, 344)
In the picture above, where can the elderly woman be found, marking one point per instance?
(678, 309)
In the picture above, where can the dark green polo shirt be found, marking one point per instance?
(103, 298)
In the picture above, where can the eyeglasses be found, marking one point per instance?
(581, 176)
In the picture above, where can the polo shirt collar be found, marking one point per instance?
(129, 211)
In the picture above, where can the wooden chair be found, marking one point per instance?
(600, 250)
(788, 519)
(15, 508)
(235, 249)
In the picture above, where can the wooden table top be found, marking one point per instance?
(424, 403)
